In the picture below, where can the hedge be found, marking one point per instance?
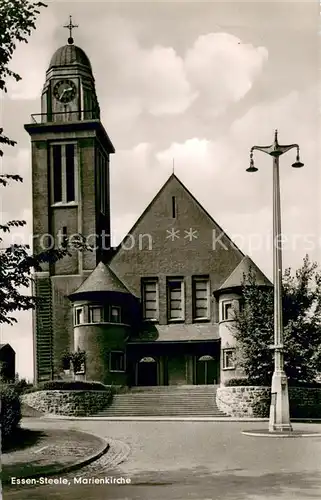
(10, 412)
(69, 385)
(237, 382)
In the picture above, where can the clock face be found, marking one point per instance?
(65, 91)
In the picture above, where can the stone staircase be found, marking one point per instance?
(171, 401)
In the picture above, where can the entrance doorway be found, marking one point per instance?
(206, 370)
(176, 369)
(146, 372)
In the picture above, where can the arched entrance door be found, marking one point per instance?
(146, 372)
(206, 370)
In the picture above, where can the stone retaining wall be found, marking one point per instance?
(253, 401)
(240, 401)
(69, 403)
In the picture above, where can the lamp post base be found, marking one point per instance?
(279, 409)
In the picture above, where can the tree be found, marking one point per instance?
(17, 20)
(78, 361)
(254, 329)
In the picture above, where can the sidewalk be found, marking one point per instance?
(48, 452)
(157, 419)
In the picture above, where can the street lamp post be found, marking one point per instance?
(279, 409)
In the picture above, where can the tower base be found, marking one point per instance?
(279, 409)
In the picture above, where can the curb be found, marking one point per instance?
(69, 468)
(289, 435)
(156, 419)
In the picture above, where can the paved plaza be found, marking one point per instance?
(189, 460)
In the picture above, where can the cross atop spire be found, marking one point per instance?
(70, 26)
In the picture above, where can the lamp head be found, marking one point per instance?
(252, 167)
(297, 163)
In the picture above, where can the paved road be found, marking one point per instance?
(191, 460)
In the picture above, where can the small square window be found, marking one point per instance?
(115, 314)
(229, 359)
(96, 314)
(116, 361)
(79, 316)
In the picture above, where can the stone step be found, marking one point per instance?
(193, 401)
(174, 388)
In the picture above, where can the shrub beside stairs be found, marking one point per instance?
(170, 401)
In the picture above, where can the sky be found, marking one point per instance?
(197, 82)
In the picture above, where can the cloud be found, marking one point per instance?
(215, 70)
(241, 203)
(222, 69)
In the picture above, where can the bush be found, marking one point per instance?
(21, 386)
(10, 412)
(239, 382)
(70, 385)
(261, 407)
(308, 385)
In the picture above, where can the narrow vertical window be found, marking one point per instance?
(175, 298)
(227, 310)
(63, 172)
(101, 167)
(57, 173)
(79, 316)
(173, 207)
(70, 172)
(201, 296)
(150, 299)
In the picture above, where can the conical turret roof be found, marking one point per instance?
(102, 279)
(246, 265)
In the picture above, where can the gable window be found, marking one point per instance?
(228, 359)
(201, 298)
(63, 173)
(96, 314)
(175, 299)
(116, 361)
(150, 299)
(115, 314)
(227, 310)
(173, 207)
(79, 316)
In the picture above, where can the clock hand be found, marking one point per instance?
(62, 93)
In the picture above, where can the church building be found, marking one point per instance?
(156, 310)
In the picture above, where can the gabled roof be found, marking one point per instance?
(170, 179)
(102, 279)
(246, 265)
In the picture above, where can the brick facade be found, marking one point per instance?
(174, 238)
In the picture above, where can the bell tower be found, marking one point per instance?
(70, 195)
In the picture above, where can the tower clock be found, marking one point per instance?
(65, 98)
(65, 91)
